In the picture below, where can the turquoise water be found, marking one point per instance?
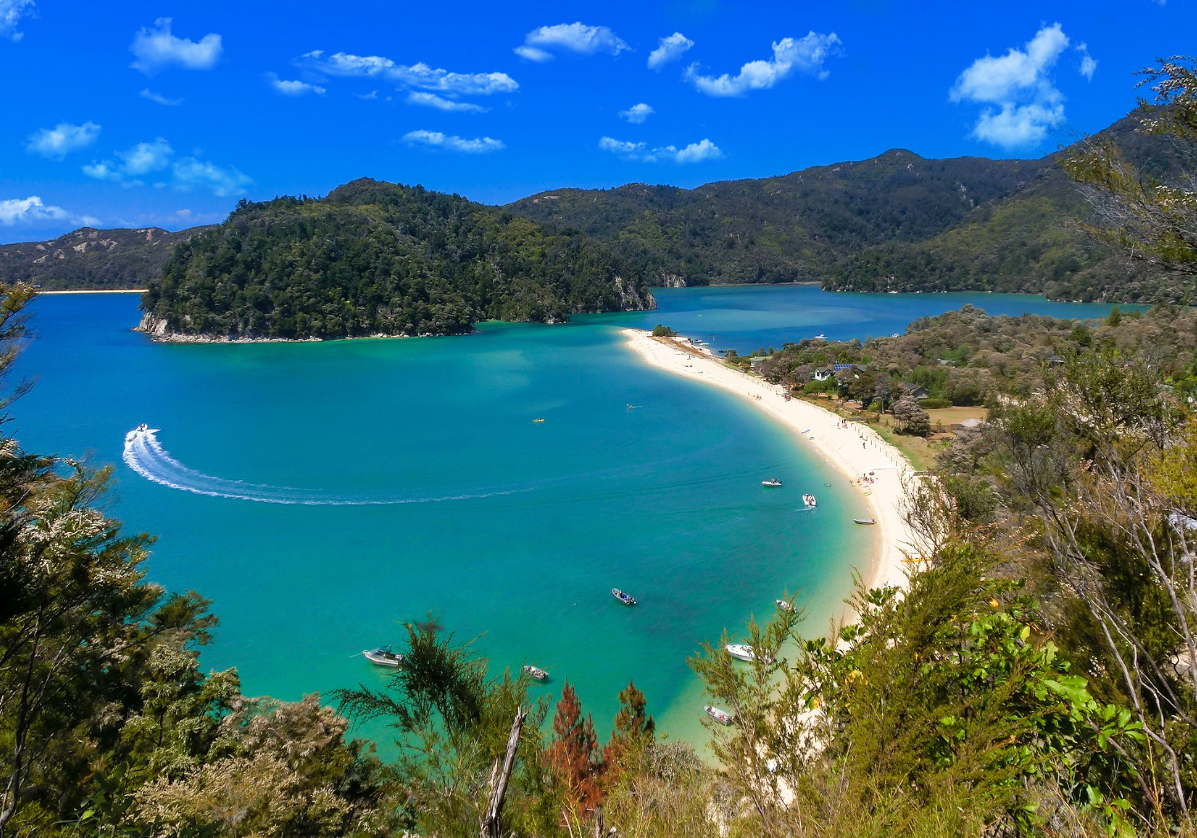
(321, 493)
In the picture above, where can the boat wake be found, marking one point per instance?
(145, 455)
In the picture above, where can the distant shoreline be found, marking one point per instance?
(95, 291)
(852, 451)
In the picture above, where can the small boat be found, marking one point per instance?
(864, 520)
(810, 501)
(623, 596)
(537, 420)
(744, 652)
(384, 657)
(785, 605)
(536, 672)
(772, 481)
(721, 716)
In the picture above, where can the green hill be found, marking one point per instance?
(375, 258)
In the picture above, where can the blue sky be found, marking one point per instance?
(158, 113)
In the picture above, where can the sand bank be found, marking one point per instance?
(853, 451)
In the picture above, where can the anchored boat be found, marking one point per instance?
(623, 596)
(721, 716)
(384, 657)
(536, 672)
(772, 481)
(744, 652)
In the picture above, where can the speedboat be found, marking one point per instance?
(820, 336)
(623, 596)
(721, 716)
(772, 481)
(536, 672)
(810, 501)
(384, 657)
(537, 420)
(744, 652)
(136, 432)
(864, 520)
(785, 605)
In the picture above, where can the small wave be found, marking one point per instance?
(145, 455)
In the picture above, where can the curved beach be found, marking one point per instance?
(853, 451)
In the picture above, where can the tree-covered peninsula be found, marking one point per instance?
(375, 258)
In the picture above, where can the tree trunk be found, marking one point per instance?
(492, 821)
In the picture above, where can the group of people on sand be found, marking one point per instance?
(867, 479)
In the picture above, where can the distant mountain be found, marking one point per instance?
(796, 227)
(376, 258)
(90, 258)
(896, 222)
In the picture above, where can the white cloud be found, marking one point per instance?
(57, 142)
(11, 12)
(670, 49)
(637, 113)
(1019, 84)
(1088, 64)
(571, 37)
(135, 165)
(157, 49)
(431, 100)
(159, 98)
(419, 76)
(693, 153)
(190, 173)
(33, 210)
(806, 55)
(534, 54)
(293, 88)
(436, 139)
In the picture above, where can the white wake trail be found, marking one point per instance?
(145, 455)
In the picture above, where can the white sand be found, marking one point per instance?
(853, 451)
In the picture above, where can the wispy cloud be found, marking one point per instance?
(804, 55)
(670, 49)
(33, 210)
(11, 12)
(637, 113)
(431, 100)
(1017, 88)
(1088, 64)
(577, 38)
(159, 98)
(157, 49)
(641, 152)
(435, 139)
(416, 76)
(57, 142)
(155, 162)
(293, 88)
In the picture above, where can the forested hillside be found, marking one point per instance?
(782, 229)
(91, 259)
(375, 258)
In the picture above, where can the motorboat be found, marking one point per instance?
(536, 672)
(534, 421)
(785, 605)
(143, 428)
(744, 652)
(772, 482)
(384, 657)
(809, 501)
(865, 520)
(623, 596)
(721, 716)
(820, 336)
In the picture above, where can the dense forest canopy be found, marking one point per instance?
(375, 258)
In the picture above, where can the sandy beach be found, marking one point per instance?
(853, 451)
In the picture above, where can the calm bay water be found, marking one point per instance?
(406, 477)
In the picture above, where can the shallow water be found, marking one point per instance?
(322, 493)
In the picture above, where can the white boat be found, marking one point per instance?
(623, 596)
(383, 657)
(772, 481)
(721, 716)
(785, 605)
(136, 432)
(866, 521)
(744, 652)
(536, 672)
(820, 336)
(810, 501)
